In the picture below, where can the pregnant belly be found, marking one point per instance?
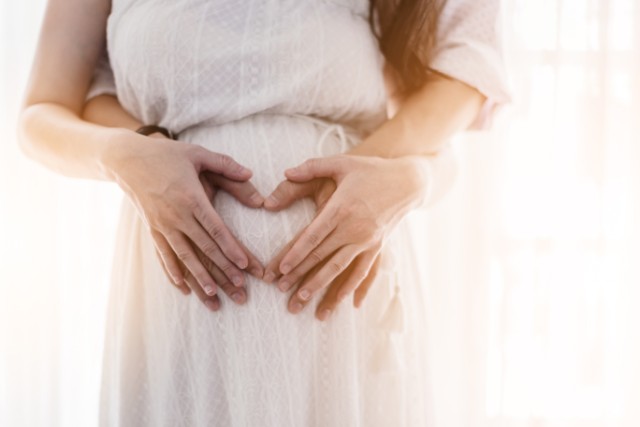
(268, 144)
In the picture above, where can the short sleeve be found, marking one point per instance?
(103, 82)
(469, 49)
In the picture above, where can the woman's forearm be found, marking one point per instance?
(58, 138)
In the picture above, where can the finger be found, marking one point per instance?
(238, 295)
(360, 272)
(272, 269)
(322, 167)
(345, 284)
(208, 187)
(222, 164)
(287, 192)
(243, 191)
(185, 253)
(182, 287)
(328, 303)
(312, 236)
(317, 256)
(211, 250)
(255, 267)
(361, 291)
(215, 227)
(326, 188)
(323, 278)
(170, 261)
(211, 302)
(299, 305)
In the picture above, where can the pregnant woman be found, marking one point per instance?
(338, 112)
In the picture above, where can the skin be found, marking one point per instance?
(336, 255)
(107, 111)
(338, 252)
(162, 178)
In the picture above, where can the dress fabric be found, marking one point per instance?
(270, 83)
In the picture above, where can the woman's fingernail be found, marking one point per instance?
(324, 314)
(237, 297)
(285, 269)
(304, 294)
(237, 280)
(242, 263)
(208, 289)
(283, 286)
(269, 277)
(211, 305)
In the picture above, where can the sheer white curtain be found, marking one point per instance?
(532, 261)
(534, 258)
(55, 253)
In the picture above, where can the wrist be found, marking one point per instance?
(419, 172)
(118, 150)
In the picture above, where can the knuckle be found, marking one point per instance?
(215, 230)
(315, 257)
(226, 267)
(192, 204)
(183, 254)
(206, 263)
(313, 239)
(209, 248)
(336, 267)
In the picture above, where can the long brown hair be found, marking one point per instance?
(407, 37)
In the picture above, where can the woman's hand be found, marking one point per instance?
(369, 197)
(163, 178)
(243, 192)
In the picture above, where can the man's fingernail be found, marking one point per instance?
(242, 263)
(211, 305)
(270, 202)
(324, 314)
(269, 277)
(208, 289)
(304, 294)
(257, 199)
(237, 297)
(296, 307)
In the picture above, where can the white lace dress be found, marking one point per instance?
(271, 83)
